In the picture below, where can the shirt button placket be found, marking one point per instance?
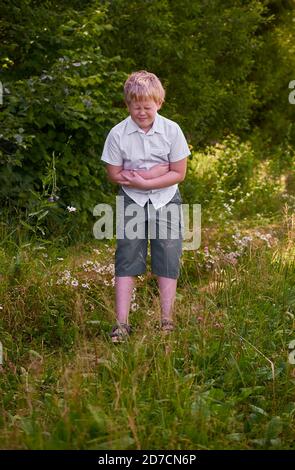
(147, 152)
(146, 148)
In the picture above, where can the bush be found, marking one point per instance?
(230, 176)
(65, 111)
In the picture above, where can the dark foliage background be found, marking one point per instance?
(226, 66)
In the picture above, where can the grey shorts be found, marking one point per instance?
(163, 227)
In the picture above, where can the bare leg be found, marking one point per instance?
(124, 288)
(167, 289)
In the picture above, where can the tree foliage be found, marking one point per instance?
(63, 106)
(226, 66)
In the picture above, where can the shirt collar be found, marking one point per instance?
(157, 126)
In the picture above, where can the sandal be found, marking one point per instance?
(120, 333)
(167, 326)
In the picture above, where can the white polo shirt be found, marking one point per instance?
(128, 145)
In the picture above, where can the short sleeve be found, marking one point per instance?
(179, 146)
(111, 152)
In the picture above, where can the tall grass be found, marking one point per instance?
(221, 381)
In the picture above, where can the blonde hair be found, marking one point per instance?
(142, 85)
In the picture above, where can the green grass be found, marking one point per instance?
(221, 381)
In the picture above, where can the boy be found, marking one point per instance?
(146, 154)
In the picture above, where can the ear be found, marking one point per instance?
(159, 106)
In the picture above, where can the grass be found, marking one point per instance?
(221, 381)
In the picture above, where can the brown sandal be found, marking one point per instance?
(120, 333)
(167, 326)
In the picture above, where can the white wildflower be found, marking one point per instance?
(245, 241)
(86, 265)
(97, 268)
(75, 283)
(133, 295)
(266, 238)
(232, 257)
(227, 207)
(71, 209)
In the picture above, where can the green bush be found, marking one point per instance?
(65, 112)
(229, 175)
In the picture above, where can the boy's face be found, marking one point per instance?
(143, 112)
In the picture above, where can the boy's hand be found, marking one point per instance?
(123, 182)
(154, 172)
(135, 180)
(125, 173)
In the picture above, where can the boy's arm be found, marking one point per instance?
(114, 174)
(176, 174)
(157, 170)
(117, 174)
